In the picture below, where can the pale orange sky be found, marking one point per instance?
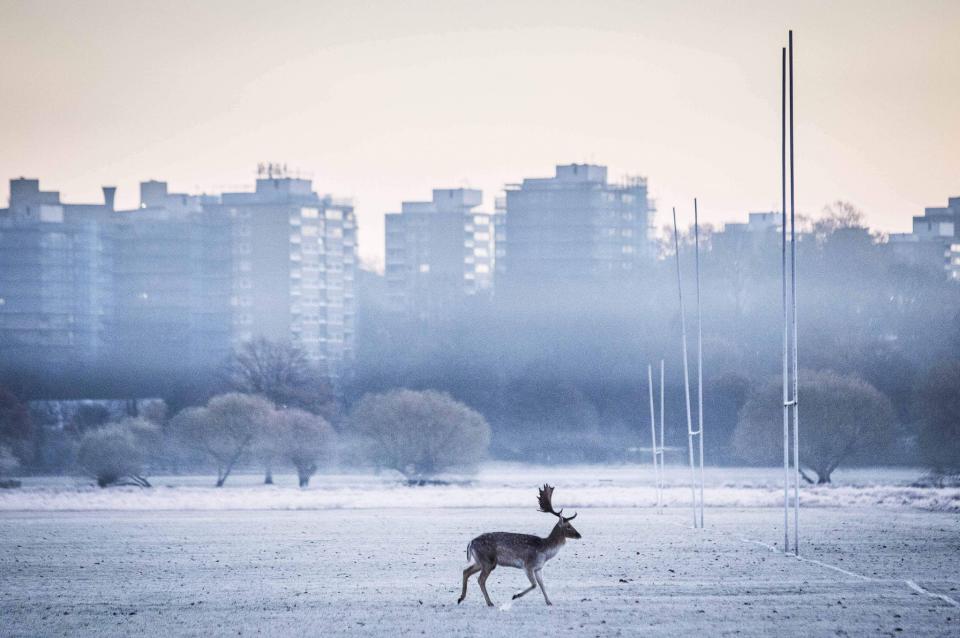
(382, 101)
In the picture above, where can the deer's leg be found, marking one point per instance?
(533, 585)
(467, 573)
(540, 582)
(483, 585)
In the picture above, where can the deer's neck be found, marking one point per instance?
(553, 542)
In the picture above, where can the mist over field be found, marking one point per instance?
(459, 319)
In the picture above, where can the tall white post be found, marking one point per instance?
(783, 289)
(696, 236)
(653, 436)
(661, 448)
(686, 372)
(793, 294)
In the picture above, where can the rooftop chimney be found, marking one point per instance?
(109, 193)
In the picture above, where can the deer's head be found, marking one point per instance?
(546, 506)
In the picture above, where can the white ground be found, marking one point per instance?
(497, 485)
(882, 570)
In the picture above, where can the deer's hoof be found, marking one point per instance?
(459, 600)
(550, 603)
(490, 605)
(515, 596)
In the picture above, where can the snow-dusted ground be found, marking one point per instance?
(396, 572)
(363, 555)
(497, 485)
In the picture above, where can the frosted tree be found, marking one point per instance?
(839, 416)
(305, 440)
(116, 453)
(420, 433)
(225, 429)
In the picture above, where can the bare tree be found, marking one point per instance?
(840, 415)
(837, 216)
(116, 452)
(225, 429)
(266, 447)
(306, 440)
(420, 433)
(281, 372)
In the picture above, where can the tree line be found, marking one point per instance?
(278, 415)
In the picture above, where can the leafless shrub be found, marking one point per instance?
(305, 440)
(420, 433)
(116, 452)
(839, 415)
(225, 429)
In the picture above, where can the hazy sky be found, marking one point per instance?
(382, 101)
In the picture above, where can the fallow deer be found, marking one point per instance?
(524, 551)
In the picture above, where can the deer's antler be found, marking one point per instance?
(545, 497)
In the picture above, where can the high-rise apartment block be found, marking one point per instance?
(55, 293)
(439, 253)
(179, 281)
(171, 273)
(574, 227)
(759, 233)
(294, 267)
(934, 243)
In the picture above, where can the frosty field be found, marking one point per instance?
(366, 567)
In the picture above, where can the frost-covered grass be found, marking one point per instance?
(497, 485)
(396, 572)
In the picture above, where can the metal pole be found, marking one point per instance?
(653, 436)
(686, 373)
(783, 277)
(661, 451)
(793, 294)
(696, 236)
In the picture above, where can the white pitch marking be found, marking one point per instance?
(835, 568)
(920, 590)
(909, 583)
